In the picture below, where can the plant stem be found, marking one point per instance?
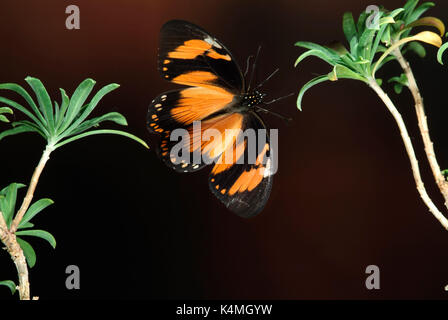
(16, 253)
(32, 187)
(423, 126)
(411, 153)
(8, 237)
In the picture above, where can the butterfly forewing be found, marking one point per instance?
(189, 55)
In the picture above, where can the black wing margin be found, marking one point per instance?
(244, 187)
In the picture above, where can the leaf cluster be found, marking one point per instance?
(370, 47)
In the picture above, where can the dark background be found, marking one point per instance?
(343, 198)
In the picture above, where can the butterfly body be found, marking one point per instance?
(215, 97)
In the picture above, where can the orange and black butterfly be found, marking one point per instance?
(217, 96)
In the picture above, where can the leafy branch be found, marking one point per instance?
(58, 124)
(369, 50)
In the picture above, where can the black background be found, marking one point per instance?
(343, 198)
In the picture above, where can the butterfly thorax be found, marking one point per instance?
(251, 99)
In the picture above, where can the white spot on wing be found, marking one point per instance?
(213, 42)
(268, 169)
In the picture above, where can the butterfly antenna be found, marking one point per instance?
(253, 68)
(248, 65)
(267, 79)
(278, 99)
(286, 119)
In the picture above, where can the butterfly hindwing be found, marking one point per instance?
(189, 55)
(191, 148)
(244, 186)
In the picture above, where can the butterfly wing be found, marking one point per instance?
(192, 148)
(244, 186)
(190, 56)
(180, 108)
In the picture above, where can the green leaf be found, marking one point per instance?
(395, 12)
(313, 46)
(382, 35)
(28, 251)
(361, 26)
(338, 47)
(96, 132)
(445, 174)
(349, 27)
(354, 47)
(8, 203)
(309, 85)
(409, 9)
(441, 52)
(402, 79)
(365, 43)
(34, 209)
(22, 109)
(10, 284)
(342, 72)
(421, 10)
(56, 112)
(31, 125)
(385, 38)
(5, 110)
(25, 95)
(44, 101)
(3, 119)
(77, 101)
(425, 36)
(112, 116)
(90, 107)
(386, 60)
(40, 234)
(417, 48)
(14, 131)
(64, 105)
(26, 226)
(398, 88)
(429, 22)
(315, 53)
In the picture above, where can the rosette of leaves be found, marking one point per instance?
(370, 47)
(66, 122)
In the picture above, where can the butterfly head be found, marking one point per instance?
(252, 99)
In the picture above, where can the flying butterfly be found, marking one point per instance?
(217, 96)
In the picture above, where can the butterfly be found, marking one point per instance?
(216, 95)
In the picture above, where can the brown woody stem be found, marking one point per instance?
(8, 237)
(16, 253)
(423, 126)
(411, 153)
(32, 187)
